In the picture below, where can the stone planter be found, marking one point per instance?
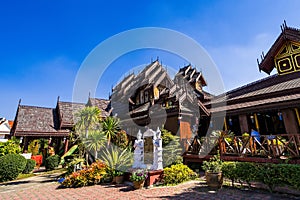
(214, 179)
(119, 179)
(138, 184)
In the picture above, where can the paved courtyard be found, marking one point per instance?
(45, 187)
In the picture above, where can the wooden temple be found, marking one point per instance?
(270, 105)
(54, 124)
(152, 99)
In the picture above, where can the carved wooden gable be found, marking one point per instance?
(288, 58)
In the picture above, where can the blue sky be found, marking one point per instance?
(43, 43)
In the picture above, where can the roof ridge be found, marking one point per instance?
(36, 107)
(71, 102)
(99, 98)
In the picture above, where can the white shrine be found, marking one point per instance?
(157, 150)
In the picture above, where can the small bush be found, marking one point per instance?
(229, 171)
(172, 149)
(34, 147)
(177, 174)
(29, 166)
(271, 175)
(89, 176)
(9, 147)
(52, 162)
(11, 165)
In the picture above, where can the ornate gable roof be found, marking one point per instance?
(288, 35)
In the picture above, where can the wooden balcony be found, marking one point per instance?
(266, 148)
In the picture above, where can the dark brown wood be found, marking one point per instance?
(270, 147)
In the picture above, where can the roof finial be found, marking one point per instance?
(58, 98)
(157, 58)
(20, 100)
(89, 94)
(284, 22)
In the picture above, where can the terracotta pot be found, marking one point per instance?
(113, 179)
(138, 184)
(214, 179)
(119, 179)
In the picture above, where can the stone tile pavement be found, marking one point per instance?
(45, 187)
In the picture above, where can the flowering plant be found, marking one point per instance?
(139, 175)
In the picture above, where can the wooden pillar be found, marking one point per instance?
(244, 123)
(225, 124)
(298, 115)
(66, 145)
(256, 122)
(25, 142)
(290, 121)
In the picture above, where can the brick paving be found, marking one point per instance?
(42, 189)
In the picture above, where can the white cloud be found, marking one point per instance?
(237, 63)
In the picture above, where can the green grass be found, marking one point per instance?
(22, 176)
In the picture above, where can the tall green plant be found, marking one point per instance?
(34, 147)
(89, 118)
(110, 126)
(120, 139)
(116, 158)
(95, 140)
(171, 148)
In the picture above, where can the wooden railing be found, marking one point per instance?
(270, 146)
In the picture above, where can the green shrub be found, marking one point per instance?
(121, 139)
(9, 147)
(271, 175)
(246, 171)
(11, 165)
(89, 176)
(177, 174)
(229, 171)
(171, 148)
(34, 147)
(213, 165)
(52, 162)
(30, 164)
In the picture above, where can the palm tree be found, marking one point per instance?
(110, 127)
(89, 118)
(95, 140)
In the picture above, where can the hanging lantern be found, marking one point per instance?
(230, 121)
(280, 116)
(252, 119)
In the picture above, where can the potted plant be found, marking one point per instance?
(213, 171)
(119, 177)
(138, 178)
